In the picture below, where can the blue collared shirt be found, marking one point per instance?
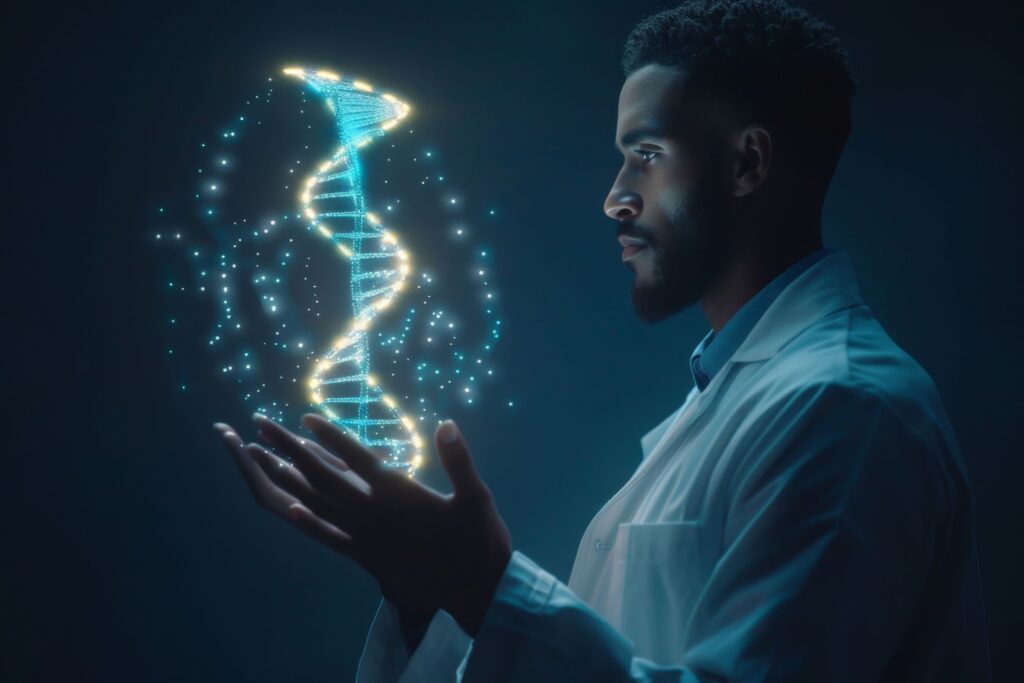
(707, 359)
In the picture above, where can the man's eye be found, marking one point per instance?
(646, 154)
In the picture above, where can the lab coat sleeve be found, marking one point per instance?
(827, 541)
(386, 657)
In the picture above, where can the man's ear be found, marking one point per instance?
(753, 157)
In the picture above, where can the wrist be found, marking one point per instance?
(412, 619)
(473, 604)
(413, 627)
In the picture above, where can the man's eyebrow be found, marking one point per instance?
(638, 134)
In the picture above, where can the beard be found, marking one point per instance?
(687, 257)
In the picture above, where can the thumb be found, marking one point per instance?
(457, 461)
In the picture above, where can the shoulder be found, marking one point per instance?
(848, 361)
(840, 381)
(844, 390)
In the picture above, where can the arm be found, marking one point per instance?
(828, 542)
(437, 558)
(392, 653)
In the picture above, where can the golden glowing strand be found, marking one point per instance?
(267, 334)
(362, 115)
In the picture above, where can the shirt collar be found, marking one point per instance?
(714, 350)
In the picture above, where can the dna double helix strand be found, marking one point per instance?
(341, 383)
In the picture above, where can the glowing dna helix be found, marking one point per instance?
(341, 385)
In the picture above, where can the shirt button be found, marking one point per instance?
(597, 545)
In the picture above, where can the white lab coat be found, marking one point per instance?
(806, 517)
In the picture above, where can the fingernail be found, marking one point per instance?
(448, 432)
(259, 417)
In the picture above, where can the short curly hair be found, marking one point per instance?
(767, 59)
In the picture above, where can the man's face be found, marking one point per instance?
(670, 196)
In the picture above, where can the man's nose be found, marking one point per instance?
(622, 204)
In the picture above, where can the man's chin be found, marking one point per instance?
(654, 304)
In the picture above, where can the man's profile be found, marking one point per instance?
(804, 514)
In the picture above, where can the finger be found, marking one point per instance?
(291, 444)
(457, 461)
(263, 489)
(326, 479)
(285, 475)
(359, 458)
(291, 479)
(278, 436)
(279, 501)
(322, 531)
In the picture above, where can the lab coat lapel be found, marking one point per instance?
(827, 287)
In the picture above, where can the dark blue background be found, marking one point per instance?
(131, 549)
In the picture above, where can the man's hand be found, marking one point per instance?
(427, 551)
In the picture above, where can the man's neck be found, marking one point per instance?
(752, 266)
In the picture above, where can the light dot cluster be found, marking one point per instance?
(276, 307)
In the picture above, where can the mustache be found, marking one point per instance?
(631, 229)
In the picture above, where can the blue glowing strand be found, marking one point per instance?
(276, 352)
(333, 200)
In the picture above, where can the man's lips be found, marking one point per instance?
(631, 246)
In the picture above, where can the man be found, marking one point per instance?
(804, 515)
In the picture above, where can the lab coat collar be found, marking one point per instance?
(826, 287)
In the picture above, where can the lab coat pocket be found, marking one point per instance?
(660, 566)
